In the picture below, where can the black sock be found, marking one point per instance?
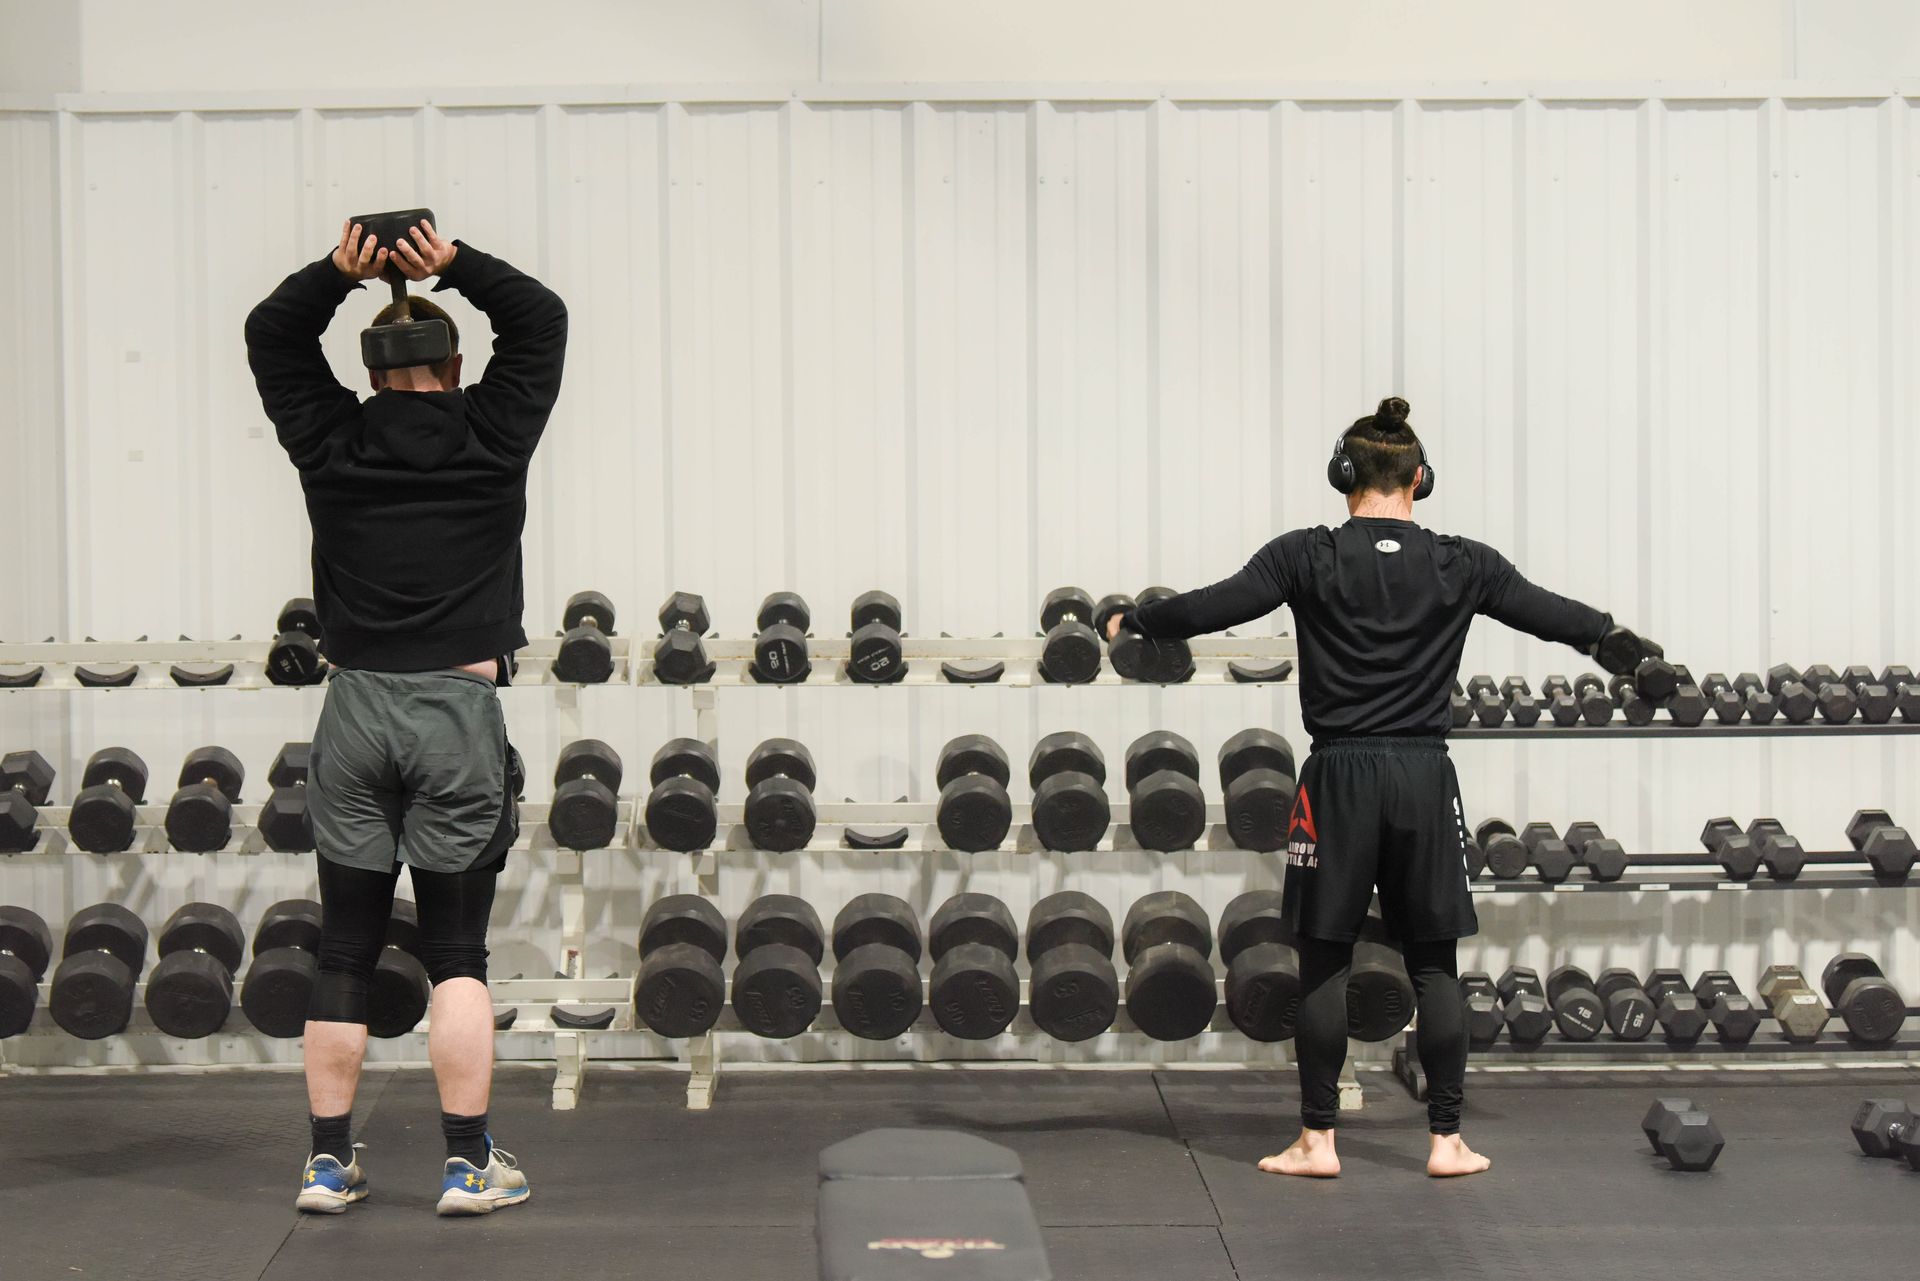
(333, 1136)
(466, 1138)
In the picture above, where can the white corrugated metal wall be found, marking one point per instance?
(971, 349)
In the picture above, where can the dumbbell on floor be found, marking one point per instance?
(1068, 776)
(1887, 848)
(101, 959)
(776, 981)
(974, 991)
(1257, 782)
(200, 815)
(876, 972)
(106, 808)
(401, 990)
(190, 992)
(26, 947)
(780, 643)
(1870, 1006)
(294, 657)
(1166, 810)
(1263, 966)
(1888, 1128)
(1074, 992)
(680, 655)
(681, 990)
(278, 988)
(1683, 1134)
(1793, 1003)
(1166, 940)
(284, 822)
(873, 654)
(973, 813)
(1070, 654)
(586, 795)
(585, 656)
(26, 779)
(681, 813)
(779, 812)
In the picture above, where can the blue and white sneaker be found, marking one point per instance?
(467, 1190)
(327, 1187)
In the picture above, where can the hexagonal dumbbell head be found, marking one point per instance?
(1782, 854)
(1800, 1011)
(1657, 1116)
(1818, 676)
(1484, 1020)
(1603, 856)
(685, 611)
(1550, 855)
(1887, 848)
(28, 774)
(284, 822)
(1881, 1125)
(1691, 1141)
(1688, 706)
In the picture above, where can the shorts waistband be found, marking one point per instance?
(1381, 744)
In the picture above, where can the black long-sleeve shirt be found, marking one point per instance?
(417, 499)
(1382, 608)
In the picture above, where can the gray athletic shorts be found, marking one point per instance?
(413, 767)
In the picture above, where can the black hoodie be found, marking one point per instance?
(417, 499)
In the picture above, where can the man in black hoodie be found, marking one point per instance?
(417, 499)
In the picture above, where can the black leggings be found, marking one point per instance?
(1320, 1036)
(355, 905)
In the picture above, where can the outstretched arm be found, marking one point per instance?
(1506, 596)
(1260, 587)
(302, 398)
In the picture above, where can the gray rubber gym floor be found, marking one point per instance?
(1133, 1174)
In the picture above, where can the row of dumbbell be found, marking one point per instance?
(877, 991)
(1579, 1008)
(190, 992)
(1501, 852)
(1073, 624)
(1683, 1132)
(199, 817)
(1788, 693)
(1067, 772)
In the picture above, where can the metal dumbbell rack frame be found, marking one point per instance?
(1020, 655)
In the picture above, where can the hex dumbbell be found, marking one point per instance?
(1602, 856)
(26, 779)
(1523, 1003)
(1735, 1018)
(680, 655)
(1681, 1015)
(1793, 1003)
(284, 823)
(1888, 849)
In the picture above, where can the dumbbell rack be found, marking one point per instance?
(1214, 660)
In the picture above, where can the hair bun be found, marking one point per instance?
(1392, 414)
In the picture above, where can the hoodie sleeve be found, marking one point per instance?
(303, 399)
(514, 398)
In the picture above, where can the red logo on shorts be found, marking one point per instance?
(1302, 818)
(1302, 838)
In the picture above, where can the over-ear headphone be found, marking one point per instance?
(1341, 476)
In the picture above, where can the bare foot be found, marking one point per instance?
(1311, 1155)
(1451, 1157)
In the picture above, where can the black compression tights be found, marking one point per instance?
(355, 904)
(1320, 1038)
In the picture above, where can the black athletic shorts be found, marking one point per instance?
(1379, 812)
